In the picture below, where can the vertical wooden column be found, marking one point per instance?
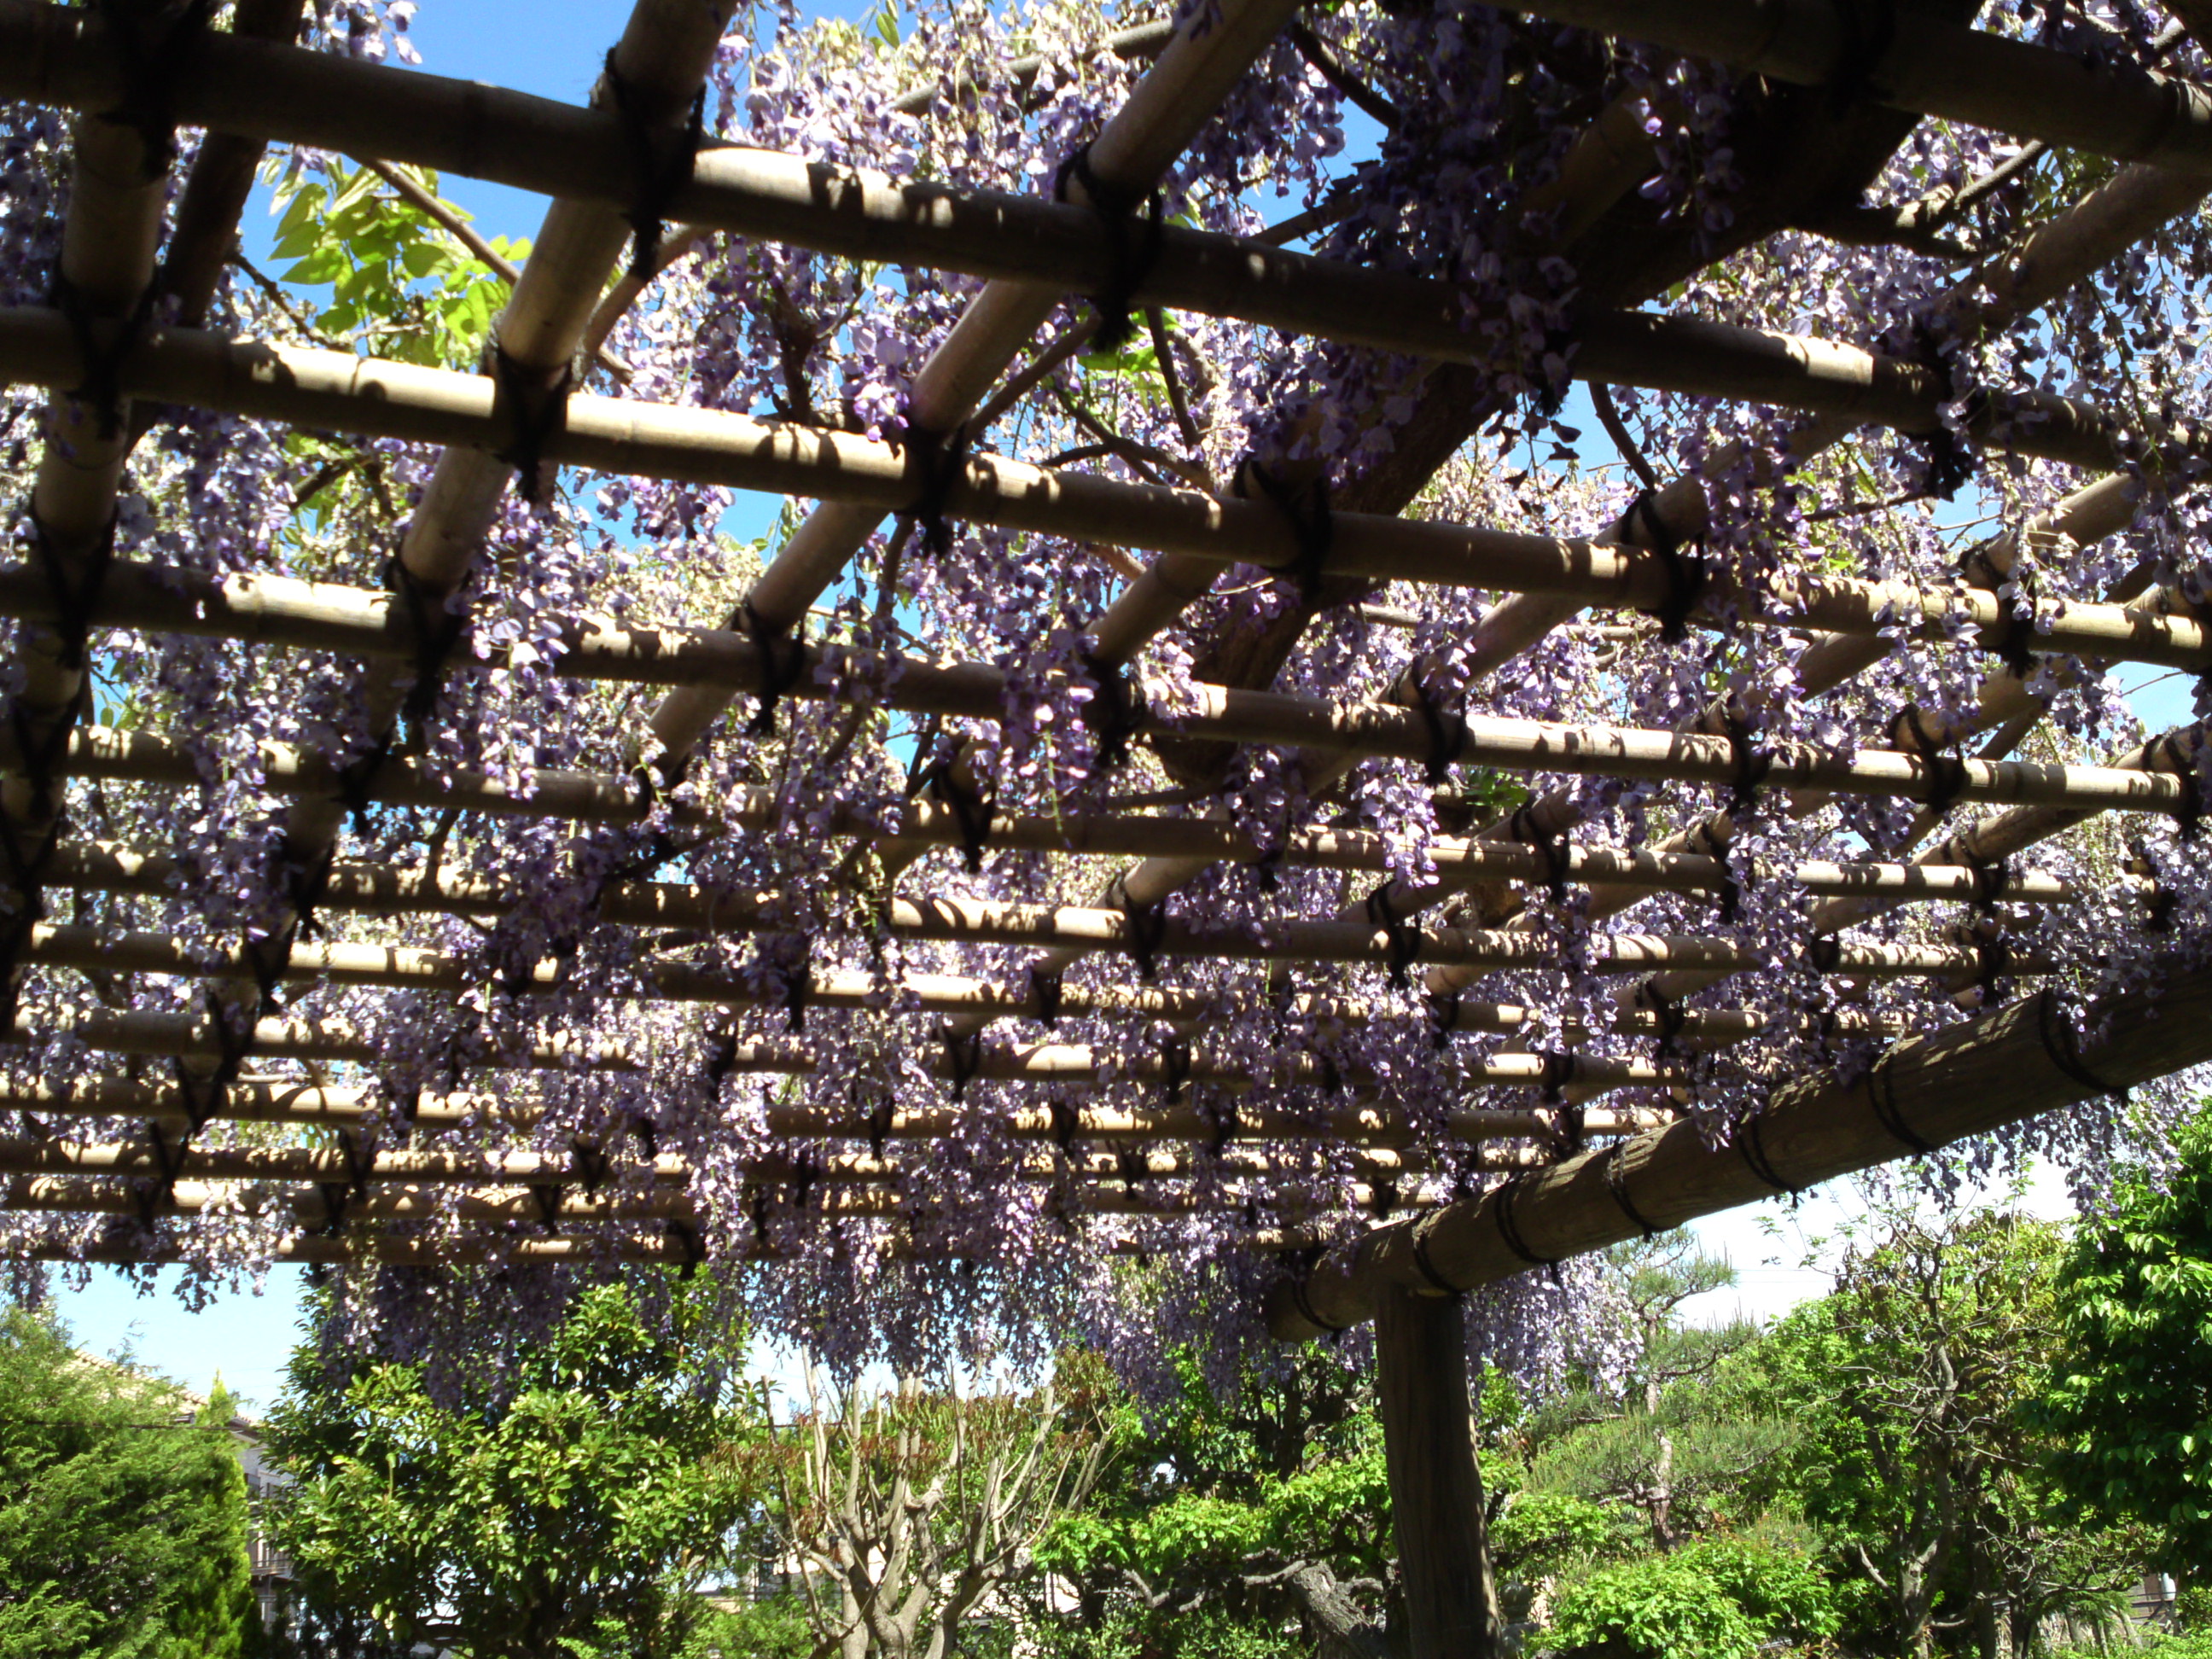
(1435, 1491)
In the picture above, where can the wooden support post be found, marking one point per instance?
(1436, 1489)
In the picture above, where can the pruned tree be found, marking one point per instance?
(906, 1511)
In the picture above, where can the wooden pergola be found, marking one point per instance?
(354, 1186)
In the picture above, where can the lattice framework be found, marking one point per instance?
(361, 1175)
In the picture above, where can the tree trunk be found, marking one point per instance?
(1435, 1491)
(1345, 1633)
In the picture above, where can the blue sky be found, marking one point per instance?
(553, 48)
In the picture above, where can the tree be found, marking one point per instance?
(1226, 1525)
(908, 1511)
(122, 1514)
(574, 1515)
(2129, 1396)
(1675, 1438)
(1909, 1388)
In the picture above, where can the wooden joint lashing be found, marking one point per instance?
(1616, 1184)
(1116, 714)
(1132, 242)
(1405, 938)
(1305, 507)
(1686, 572)
(1509, 1231)
(663, 156)
(2059, 1046)
(973, 809)
(1447, 729)
(783, 661)
(941, 458)
(532, 409)
(1881, 1095)
(1751, 1142)
(964, 1058)
(1550, 845)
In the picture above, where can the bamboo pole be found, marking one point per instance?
(1040, 246)
(317, 1106)
(1000, 922)
(600, 649)
(336, 389)
(2000, 1066)
(118, 182)
(1929, 67)
(377, 889)
(652, 75)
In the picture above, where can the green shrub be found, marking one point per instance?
(1661, 1607)
(1718, 1598)
(1781, 1592)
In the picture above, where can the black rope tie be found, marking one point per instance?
(1223, 1114)
(1687, 574)
(2058, 1043)
(1750, 1142)
(155, 50)
(1992, 962)
(1066, 1121)
(1447, 729)
(1501, 1210)
(1990, 881)
(1425, 1265)
(169, 1159)
(1444, 1017)
(1868, 27)
(357, 778)
(1616, 1182)
(2189, 814)
(1046, 990)
(1301, 1264)
(1175, 1069)
(649, 1137)
(100, 390)
(305, 890)
(1308, 511)
(661, 161)
(721, 1060)
(590, 1164)
(437, 628)
(1559, 1071)
(1132, 244)
(804, 1173)
(1749, 761)
(972, 811)
(881, 1119)
(1382, 1198)
(943, 463)
(798, 989)
(964, 1058)
(783, 665)
(537, 412)
(1146, 926)
(1947, 767)
(758, 1211)
(1332, 1079)
(1133, 1165)
(1881, 1094)
(76, 597)
(1405, 938)
(1267, 869)
(686, 1239)
(1115, 714)
(1669, 1017)
(1550, 845)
